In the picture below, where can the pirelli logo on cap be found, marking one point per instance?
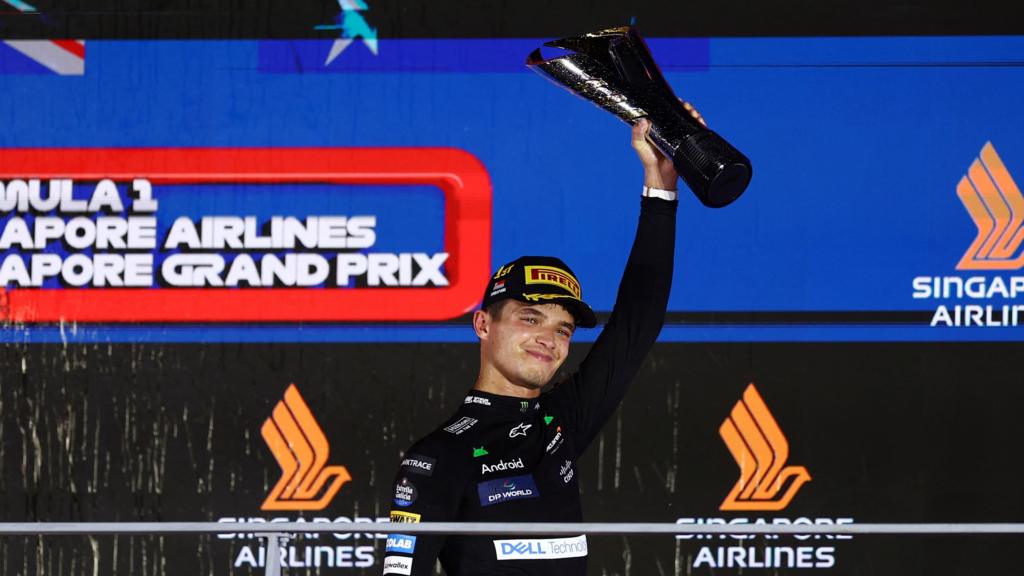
(555, 277)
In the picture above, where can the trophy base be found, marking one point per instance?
(728, 185)
(715, 171)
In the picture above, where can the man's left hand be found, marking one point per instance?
(658, 170)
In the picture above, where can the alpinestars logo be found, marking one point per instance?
(760, 450)
(301, 449)
(996, 206)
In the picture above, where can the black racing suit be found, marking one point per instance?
(503, 459)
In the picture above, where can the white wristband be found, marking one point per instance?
(649, 192)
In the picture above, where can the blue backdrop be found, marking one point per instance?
(857, 144)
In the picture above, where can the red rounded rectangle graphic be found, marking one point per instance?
(467, 233)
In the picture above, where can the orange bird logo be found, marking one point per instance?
(301, 450)
(994, 202)
(760, 450)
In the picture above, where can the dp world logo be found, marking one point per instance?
(994, 202)
(760, 450)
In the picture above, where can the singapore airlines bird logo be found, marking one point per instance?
(760, 450)
(301, 450)
(994, 202)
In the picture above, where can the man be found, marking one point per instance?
(509, 453)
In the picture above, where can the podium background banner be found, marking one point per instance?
(857, 313)
(852, 222)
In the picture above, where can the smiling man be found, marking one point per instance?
(509, 453)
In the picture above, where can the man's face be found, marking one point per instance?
(527, 342)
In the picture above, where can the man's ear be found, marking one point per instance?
(482, 324)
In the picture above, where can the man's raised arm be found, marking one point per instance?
(592, 393)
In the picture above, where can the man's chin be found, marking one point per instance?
(537, 374)
(533, 382)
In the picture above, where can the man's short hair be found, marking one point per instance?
(494, 309)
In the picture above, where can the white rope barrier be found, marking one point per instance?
(494, 528)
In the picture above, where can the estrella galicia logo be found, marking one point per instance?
(505, 489)
(400, 543)
(405, 492)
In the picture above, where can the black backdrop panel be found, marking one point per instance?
(523, 19)
(886, 432)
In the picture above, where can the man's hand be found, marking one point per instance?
(658, 170)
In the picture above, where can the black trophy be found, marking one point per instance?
(614, 69)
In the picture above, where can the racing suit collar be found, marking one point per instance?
(501, 404)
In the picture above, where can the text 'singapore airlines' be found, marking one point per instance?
(995, 204)
(197, 234)
(308, 483)
(766, 483)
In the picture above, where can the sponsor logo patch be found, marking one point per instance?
(397, 565)
(405, 492)
(419, 464)
(477, 400)
(460, 425)
(481, 451)
(556, 442)
(502, 466)
(548, 549)
(399, 517)
(400, 543)
(506, 489)
(566, 471)
(763, 473)
(519, 430)
(555, 277)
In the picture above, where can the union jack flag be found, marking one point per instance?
(63, 57)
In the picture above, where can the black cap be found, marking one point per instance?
(540, 280)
